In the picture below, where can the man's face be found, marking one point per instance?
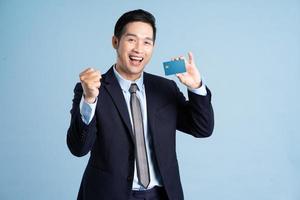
(134, 49)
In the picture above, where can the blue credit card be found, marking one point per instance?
(174, 67)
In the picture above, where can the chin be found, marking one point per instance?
(136, 69)
(136, 72)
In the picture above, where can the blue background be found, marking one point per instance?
(248, 52)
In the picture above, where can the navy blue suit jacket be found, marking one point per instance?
(109, 172)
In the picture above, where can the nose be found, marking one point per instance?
(138, 48)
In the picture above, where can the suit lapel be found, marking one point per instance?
(113, 88)
(152, 101)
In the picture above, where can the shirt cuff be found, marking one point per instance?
(200, 91)
(87, 110)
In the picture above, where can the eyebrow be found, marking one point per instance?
(134, 35)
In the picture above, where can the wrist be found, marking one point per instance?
(89, 100)
(196, 85)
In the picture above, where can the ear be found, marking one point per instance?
(115, 42)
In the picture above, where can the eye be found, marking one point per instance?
(148, 43)
(131, 40)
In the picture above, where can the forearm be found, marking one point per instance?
(196, 116)
(81, 136)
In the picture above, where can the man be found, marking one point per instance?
(128, 118)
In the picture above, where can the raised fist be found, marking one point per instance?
(90, 81)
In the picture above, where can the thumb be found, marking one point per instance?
(180, 77)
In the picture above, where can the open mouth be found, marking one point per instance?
(136, 60)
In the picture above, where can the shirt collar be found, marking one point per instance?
(125, 84)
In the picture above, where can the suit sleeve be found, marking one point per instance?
(195, 116)
(80, 136)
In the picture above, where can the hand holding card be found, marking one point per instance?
(186, 71)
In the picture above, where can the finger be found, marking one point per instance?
(91, 75)
(191, 57)
(97, 84)
(180, 77)
(83, 75)
(91, 81)
(176, 58)
(93, 87)
(87, 70)
(96, 79)
(94, 74)
(183, 58)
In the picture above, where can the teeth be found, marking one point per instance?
(135, 58)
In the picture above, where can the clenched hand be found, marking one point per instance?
(90, 81)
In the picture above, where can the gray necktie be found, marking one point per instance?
(138, 131)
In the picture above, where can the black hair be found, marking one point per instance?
(134, 16)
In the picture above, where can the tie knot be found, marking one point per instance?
(133, 88)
